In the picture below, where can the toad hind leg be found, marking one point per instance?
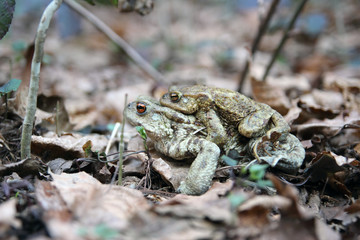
(215, 128)
(254, 124)
(202, 169)
(278, 125)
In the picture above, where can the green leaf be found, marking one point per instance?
(115, 2)
(87, 148)
(264, 183)
(10, 86)
(91, 2)
(257, 171)
(105, 232)
(7, 8)
(229, 161)
(19, 45)
(141, 131)
(236, 199)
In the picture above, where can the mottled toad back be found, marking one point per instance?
(221, 109)
(213, 106)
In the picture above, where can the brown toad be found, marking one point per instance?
(220, 109)
(214, 106)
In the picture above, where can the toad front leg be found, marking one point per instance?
(202, 169)
(255, 123)
(264, 120)
(215, 128)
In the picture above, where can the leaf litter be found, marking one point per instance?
(65, 192)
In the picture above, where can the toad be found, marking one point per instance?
(215, 107)
(176, 135)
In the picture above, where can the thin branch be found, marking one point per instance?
(121, 144)
(131, 52)
(264, 25)
(35, 77)
(284, 38)
(259, 35)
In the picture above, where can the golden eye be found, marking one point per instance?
(174, 97)
(140, 108)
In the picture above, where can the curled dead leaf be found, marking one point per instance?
(68, 146)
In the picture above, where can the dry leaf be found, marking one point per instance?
(270, 94)
(68, 146)
(80, 201)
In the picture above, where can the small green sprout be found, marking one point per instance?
(143, 135)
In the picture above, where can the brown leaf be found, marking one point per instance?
(348, 86)
(330, 127)
(353, 208)
(214, 193)
(171, 171)
(186, 217)
(75, 201)
(323, 164)
(135, 164)
(325, 100)
(312, 228)
(296, 222)
(23, 168)
(59, 165)
(357, 148)
(339, 186)
(70, 146)
(315, 64)
(254, 212)
(270, 94)
(59, 118)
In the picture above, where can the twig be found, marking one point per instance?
(259, 35)
(35, 77)
(121, 145)
(131, 52)
(112, 137)
(147, 183)
(284, 38)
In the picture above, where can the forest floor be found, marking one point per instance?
(66, 191)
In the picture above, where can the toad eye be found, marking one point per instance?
(174, 97)
(140, 108)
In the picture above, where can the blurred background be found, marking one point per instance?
(188, 42)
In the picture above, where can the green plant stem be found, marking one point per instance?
(262, 29)
(121, 145)
(284, 38)
(35, 76)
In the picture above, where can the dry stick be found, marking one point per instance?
(35, 77)
(121, 144)
(131, 52)
(259, 35)
(284, 38)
